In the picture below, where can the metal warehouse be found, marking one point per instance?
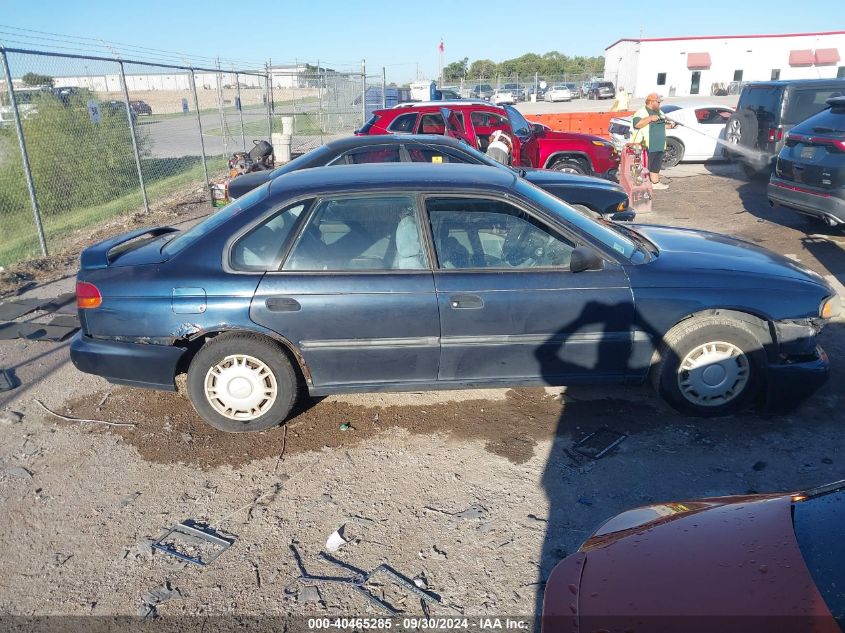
(717, 65)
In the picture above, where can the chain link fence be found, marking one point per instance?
(85, 138)
(320, 105)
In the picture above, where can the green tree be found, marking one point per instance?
(456, 70)
(34, 79)
(482, 69)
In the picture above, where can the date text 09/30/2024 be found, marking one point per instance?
(426, 624)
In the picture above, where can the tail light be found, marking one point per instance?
(774, 134)
(832, 144)
(87, 296)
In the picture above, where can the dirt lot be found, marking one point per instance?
(471, 491)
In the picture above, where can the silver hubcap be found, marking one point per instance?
(713, 374)
(241, 387)
(733, 133)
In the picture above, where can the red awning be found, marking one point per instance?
(802, 57)
(698, 60)
(826, 56)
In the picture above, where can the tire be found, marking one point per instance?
(741, 129)
(673, 154)
(245, 362)
(691, 384)
(570, 166)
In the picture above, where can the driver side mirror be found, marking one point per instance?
(584, 258)
(538, 129)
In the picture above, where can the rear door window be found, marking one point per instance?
(359, 233)
(431, 124)
(805, 103)
(261, 248)
(403, 124)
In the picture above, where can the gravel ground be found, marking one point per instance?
(471, 491)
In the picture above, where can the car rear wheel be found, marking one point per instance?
(673, 154)
(242, 382)
(709, 366)
(570, 166)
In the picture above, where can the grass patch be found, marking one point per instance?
(305, 124)
(22, 240)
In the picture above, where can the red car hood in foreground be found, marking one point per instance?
(717, 565)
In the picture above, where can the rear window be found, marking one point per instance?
(830, 122)
(805, 103)
(205, 227)
(365, 129)
(761, 99)
(818, 525)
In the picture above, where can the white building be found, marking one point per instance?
(701, 65)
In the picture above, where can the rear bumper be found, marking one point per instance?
(821, 203)
(790, 383)
(148, 366)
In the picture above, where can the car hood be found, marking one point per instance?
(690, 250)
(543, 177)
(244, 184)
(572, 136)
(716, 557)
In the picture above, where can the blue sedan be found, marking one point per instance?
(405, 277)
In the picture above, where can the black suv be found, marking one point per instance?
(810, 170)
(766, 111)
(601, 90)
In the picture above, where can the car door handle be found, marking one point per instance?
(466, 302)
(282, 304)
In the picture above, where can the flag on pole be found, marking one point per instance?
(441, 47)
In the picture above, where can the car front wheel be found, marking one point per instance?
(709, 366)
(569, 166)
(242, 382)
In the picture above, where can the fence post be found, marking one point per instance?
(268, 90)
(363, 92)
(223, 127)
(199, 124)
(240, 109)
(383, 88)
(134, 137)
(320, 101)
(27, 170)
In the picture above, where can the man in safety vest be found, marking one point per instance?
(650, 130)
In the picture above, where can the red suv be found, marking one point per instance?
(534, 145)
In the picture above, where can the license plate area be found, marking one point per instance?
(808, 152)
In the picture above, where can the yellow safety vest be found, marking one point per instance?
(640, 135)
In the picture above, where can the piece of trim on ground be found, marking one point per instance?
(190, 532)
(597, 444)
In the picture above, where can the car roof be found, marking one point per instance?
(392, 176)
(349, 142)
(797, 82)
(442, 103)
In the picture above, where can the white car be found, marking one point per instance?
(695, 139)
(558, 93)
(501, 97)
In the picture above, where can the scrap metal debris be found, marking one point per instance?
(193, 542)
(359, 578)
(8, 381)
(596, 445)
(70, 419)
(154, 597)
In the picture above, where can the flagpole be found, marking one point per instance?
(441, 50)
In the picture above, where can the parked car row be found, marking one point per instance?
(512, 93)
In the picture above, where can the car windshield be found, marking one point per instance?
(520, 126)
(818, 522)
(216, 219)
(605, 232)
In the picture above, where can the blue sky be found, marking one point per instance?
(401, 35)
